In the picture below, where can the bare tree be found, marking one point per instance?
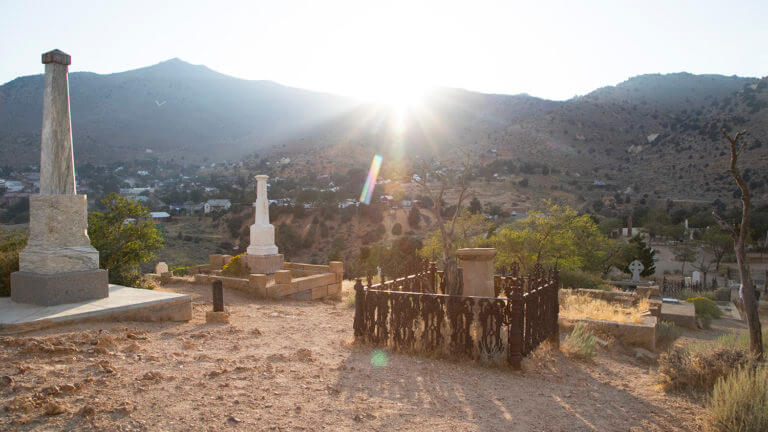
(703, 265)
(450, 268)
(739, 232)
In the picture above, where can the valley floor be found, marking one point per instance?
(293, 366)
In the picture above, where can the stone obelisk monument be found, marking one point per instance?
(262, 254)
(59, 265)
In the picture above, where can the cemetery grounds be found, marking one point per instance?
(293, 365)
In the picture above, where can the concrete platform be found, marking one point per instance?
(123, 304)
(682, 314)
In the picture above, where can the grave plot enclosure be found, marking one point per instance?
(410, 314)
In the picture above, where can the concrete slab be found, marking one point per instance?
(123, 304)
(682, 314)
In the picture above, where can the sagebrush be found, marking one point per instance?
(580, 343)
(739, 401)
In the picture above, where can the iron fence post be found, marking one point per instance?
(359, 323)
(515, 335)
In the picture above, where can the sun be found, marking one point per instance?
(398, 95)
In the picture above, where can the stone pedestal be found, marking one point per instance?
(477, 269)
(59, 265)
(261, 254)
(59, 288)
(264, 264)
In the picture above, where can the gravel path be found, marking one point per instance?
(292, 366)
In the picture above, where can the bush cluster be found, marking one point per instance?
(580, 343)
(706, 310)
(10, 246)
(236, 267)
(740, 401)
(697, 369)
(666, 333)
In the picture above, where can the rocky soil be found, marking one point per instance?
(294, 366)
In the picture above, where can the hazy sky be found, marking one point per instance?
(390, 49)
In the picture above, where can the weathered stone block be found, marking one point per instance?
(477, 267)
(283, 276)
(337, 267)
(216, 261)
(334, 289)
(217, 317)
(281, 290)
(310, 282)
(61, 288)
(319, 292)
(264, 264)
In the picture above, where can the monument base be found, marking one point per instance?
(264, 264)
(60, 288)
(123, 304)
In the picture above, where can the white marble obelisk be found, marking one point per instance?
(59, 265)
(262, 254)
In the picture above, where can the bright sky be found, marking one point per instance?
(391, 49)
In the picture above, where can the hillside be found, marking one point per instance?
(172, 109)
(657, 134)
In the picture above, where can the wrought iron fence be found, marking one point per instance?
(675, 287)
(409, 313)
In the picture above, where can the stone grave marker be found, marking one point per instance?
(636, 267)
(161, 268)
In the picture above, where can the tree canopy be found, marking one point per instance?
(557, 235)
(122, 244)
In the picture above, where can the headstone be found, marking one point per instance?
(696, 277)
(161, 268)
(59, 265)
(477, 271)
(262, 254)
(636, 267)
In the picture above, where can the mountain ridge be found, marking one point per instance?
(192, 113)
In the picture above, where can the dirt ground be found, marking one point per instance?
(292, 365)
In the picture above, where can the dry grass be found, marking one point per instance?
(575, 307)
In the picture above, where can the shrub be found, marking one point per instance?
(666, 333)
(397, 229)
(705, 307)
(236, 267)
(580, 343)
(580, 279)
(180, 270)
(720, 294)
(10, 246)
(740, 401)
(697, 368)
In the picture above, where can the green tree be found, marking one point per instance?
(123, 246)
(636, 249)
(397, 229)
(557, 235)
(475, 206)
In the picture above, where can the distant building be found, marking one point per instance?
(14, 186)
(348, 203)
(216, 205)
(159, 216)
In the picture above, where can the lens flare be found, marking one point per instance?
(370, 182)
(379, 359)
